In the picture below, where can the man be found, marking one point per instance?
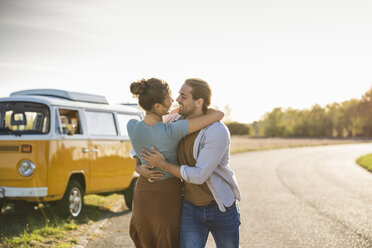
(209, 186)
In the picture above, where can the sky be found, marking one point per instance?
(256, 55)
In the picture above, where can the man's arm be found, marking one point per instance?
(216, 144)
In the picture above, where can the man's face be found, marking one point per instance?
(186, 102)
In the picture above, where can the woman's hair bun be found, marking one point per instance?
(139, 87)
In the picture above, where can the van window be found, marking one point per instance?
(123, 120)
(100, 123)
(70, 121)
(24, 118)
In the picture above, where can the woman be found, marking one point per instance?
(157, 205)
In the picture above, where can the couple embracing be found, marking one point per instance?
(186, 187)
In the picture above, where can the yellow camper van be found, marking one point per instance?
(56, 146)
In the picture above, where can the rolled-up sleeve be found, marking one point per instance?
(215, 144)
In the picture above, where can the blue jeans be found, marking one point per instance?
(197, 222)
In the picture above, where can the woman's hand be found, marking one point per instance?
(172, 116)
(154, 158)
(157, 159)
(145, 171)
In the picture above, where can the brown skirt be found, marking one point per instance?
(156, 214)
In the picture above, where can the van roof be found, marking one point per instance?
(64, 102)
(64, 94)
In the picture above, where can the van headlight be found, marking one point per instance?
(27, 168)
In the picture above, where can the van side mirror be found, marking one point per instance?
(18, 119)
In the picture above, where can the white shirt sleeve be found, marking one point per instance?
(132, 153)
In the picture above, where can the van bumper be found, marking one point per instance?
(23, 192)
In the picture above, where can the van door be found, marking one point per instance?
(129, 168)
(107, 168)
(69, 153)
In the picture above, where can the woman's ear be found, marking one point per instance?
(156, 106)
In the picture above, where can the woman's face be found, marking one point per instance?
(167, 104)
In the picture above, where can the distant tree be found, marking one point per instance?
(273, 123)
(256, 130)
(238, 128)
(364, 110)
(352, 118)
(334, 115)
(302, 126)
(289, 120)
(318, 123)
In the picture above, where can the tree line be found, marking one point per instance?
(352, 118)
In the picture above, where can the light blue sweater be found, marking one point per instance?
(163, 136)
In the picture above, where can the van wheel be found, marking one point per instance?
(128, 193)
(72, 201)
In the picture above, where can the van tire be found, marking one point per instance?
(129, 192)
(72, 202)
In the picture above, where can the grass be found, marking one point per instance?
(42, 227)
(240, 143)
(43, 236)
(365, 161)
(107, 202)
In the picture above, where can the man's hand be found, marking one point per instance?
(154, 158)
(145, 171)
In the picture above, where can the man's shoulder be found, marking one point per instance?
(216, 127)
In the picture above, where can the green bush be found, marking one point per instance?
(238, 128)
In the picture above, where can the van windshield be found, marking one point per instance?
(19, 118)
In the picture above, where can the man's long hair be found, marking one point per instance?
(200, 89)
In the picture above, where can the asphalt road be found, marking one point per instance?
(298, 197)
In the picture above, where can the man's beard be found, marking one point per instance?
(186, 113)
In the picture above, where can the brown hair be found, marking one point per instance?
(149, 92)
(200, 89)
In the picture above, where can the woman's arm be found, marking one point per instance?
(199, 122)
